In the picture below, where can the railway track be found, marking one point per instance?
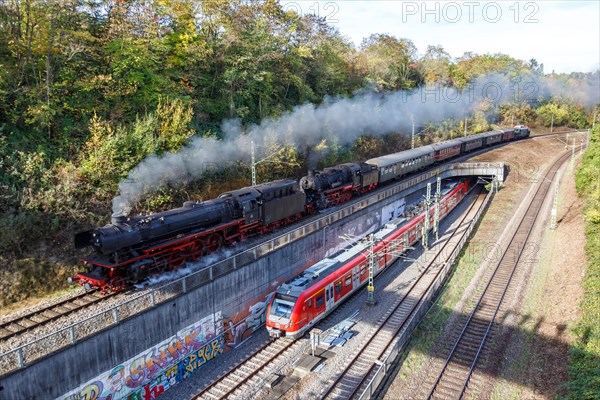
(251, 371)
(452, 381)
(360, 369)
(35, 319)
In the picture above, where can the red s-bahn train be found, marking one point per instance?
(129, 250)
(306, 299)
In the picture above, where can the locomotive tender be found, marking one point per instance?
(130, 249)
(306, 299)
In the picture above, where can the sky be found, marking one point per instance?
(563, 35)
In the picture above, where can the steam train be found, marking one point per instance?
(129, 250)
(306, 299)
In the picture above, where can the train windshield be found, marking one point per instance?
(283, 305)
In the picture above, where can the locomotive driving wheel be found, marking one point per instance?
(214, 242)
(115, 285)
(176, 260)
(193, 252)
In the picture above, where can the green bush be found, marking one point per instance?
(584, 364)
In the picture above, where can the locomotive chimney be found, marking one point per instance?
(118, 218)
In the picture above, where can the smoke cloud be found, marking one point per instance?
(343, 119)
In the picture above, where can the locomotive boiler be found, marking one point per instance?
(338, 184)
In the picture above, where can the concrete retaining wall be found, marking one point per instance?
(134, 357)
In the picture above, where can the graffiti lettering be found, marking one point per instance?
(201, 357)
(90, 392)
(151, 373)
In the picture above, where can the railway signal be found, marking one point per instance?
(425, 235)
(436, 215)
(395, 248)
(371, 284)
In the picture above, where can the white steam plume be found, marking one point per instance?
(343, 119)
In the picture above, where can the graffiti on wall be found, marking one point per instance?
(392, 211)
(151, 373)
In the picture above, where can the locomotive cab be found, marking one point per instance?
(280, 314)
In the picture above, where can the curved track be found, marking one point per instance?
(456, 373)
(35, 319)
(350, 382)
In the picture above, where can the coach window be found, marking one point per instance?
(309, 303)
(338, 287)
(348, 280)
(363, 270)
(319, 301)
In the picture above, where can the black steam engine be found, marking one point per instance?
(338, 184)
(130, 249)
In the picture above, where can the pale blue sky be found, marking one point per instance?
(563, 35)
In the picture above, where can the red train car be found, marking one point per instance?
(301, 302)
(508, 135)
(447, 149)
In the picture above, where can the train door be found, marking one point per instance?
(310, 310)
(355, 278)
(329, 296)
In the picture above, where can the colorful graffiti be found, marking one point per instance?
(151, 373)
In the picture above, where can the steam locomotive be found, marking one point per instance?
(129, 250)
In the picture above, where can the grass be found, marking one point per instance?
(584, 362)
(29, 281)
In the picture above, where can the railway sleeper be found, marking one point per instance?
(464, 359)
(246, 369)
(472, 336)
(454, 379)
(27, 323)
(448, 391)
(466, 346)
(477, 330)
(39, 318)
(457, 370)
(210, 395)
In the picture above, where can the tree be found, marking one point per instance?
(390, 62)
(435, 65)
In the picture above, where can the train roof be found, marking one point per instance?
(263, 188)
(325, 267)
(470, 138)
(389, 159)
(445, 144)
